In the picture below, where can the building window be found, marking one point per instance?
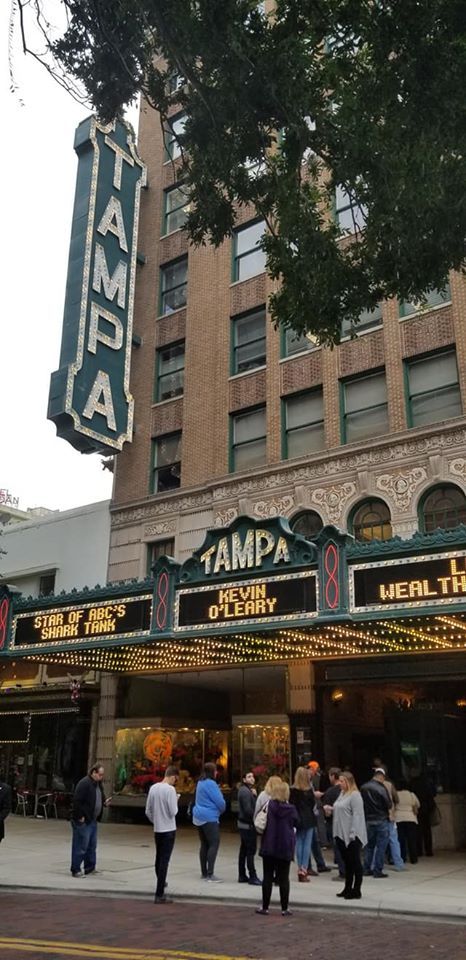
(365, 410)
(371, 520)
(432, 298)
(46, 584)
(173, 130)
(293, 342)
(433, 389)
(166, 463)
(160, 548)
(174, 83)
(248, 341)
(366, 321)
(248, 258)
(308, 524)
(248, 447)
(173, 285)
(304, 424)
(170, 371)
(349, 214)
(175, 209)
(443, 507)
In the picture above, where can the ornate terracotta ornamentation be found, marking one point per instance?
(333, 499)
(400, 487)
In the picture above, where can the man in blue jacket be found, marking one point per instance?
(209, 805)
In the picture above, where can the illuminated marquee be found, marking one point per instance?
(89, 400)
(285, 597)
(121, 618)
(435, 580)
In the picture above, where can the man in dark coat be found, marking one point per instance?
(5, 806)
(247, 797)
(88, 804)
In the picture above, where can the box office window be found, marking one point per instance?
(304, 423)
(248, 439)
(173, 285)
(433, 389)
(365, 409)
(248, 257)
(166, 473)
(248, 341)
(170, 371)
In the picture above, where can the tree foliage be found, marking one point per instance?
(367, 94)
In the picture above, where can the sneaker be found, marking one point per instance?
(214, 879)
(262, 912)
(255, 882)
(380, 876)
(76, 873)
(287, 913)
(163, 900)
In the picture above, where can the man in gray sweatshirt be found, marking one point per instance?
(161, 810)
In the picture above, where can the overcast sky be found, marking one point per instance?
(37, 192)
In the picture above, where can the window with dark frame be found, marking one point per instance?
(249, 341)
(157, 549)
(173, 130)
(47, 584)
(308, 524)
(368, 319)
(304, 423)
(173, 285)
(349, 214)
(248, 447)
(170, 371)
(166, 474)
(442, 507)
(175, 209)
(248, 257)
(297, 342)
(432, 298)
(365, 407)
(371, 520)
(433, 389)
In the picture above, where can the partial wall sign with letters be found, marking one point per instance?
(90, 402)
(433, 580)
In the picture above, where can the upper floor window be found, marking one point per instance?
(248, 448)
(248, 257)
(443, 507)
(304, 423)
(371, 520)
(308, 524)
(175, 209)
(349, 214)
(174, 129)
(174, 83)
(432, 298)
(170, 371)
(46, 584)
(160, 548)
(365, 408)
(297, 342)
(366, 321)
(173, 285)
(248, 341)
(166, 473)
(433, 389)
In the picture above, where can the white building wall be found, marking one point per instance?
(74, 544)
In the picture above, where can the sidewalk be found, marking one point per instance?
(36, 855)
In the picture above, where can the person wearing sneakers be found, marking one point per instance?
(161, 810)
(302, 797)
(277, 847)
(208, 807)
(247, 796)
(349, 831)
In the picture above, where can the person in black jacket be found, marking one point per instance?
(303, 799)
(377, 805)
(247, 796)
(88, 804)
(5, 806)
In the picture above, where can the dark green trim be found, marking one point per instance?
(235, 258)
(232, 446)
(234, 346)
(158, 351)
(358, 376)
(418, 358)
(283, 424)
(164, 266)
(167, 213)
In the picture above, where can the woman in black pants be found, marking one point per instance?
(277, 847)
(349, 831)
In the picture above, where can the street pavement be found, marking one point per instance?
(35, 855)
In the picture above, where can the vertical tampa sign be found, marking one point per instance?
(90, 401)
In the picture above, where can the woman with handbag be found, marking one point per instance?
(303, 798)
(277, 847)
(262, 802)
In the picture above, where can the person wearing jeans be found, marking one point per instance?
(208, 807)
(302, 797)
(377, 805)
(161, 810)
(88, 804)
(349, 831)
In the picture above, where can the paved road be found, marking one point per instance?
(38, 926)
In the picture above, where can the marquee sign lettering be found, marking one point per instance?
(93, 622)
(89, 399)
(424, 581)
(285, 597)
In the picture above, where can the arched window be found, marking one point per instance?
(308, 524)
(443, 507)
(371, 520)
